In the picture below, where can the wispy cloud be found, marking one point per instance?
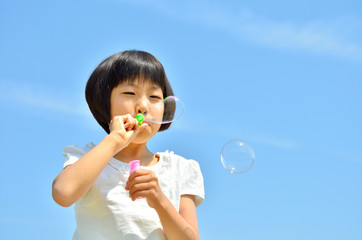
(274, 141)
(317, 36)
(39, 97)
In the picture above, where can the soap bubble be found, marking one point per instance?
(173, 110)
(237, 156)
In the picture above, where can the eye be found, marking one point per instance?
(129, 93)
(156, 97)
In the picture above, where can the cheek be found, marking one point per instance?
(160, 113)
(160, 110)
(156, 113)
(118, 109)
(156, 127)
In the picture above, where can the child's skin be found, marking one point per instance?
(126, 142)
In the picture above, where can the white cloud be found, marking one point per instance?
(321, 37)
(39, 97)
(314, 37)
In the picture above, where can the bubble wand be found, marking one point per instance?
(140, 117)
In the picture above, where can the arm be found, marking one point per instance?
(76, 179)
(177, 225)
(182, 224)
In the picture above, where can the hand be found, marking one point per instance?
(144, 183)
(125, 128)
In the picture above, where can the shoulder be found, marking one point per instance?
(72, 153)
(188, 173)
(75, 150)
(172, 160)
(171, 157)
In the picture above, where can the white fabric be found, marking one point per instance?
(107, 212)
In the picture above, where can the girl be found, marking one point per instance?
(157, 201)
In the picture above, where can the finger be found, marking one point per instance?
(139, 128)
(141, 187)
(130, 178)
(126, 122)
(138, 172)
(134, 124)
(140, 194)
(128, 126)
(137, 178)
(116, 123)
(128, 118)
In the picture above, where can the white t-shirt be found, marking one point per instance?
(107, 212)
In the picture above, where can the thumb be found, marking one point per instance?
(141, 128)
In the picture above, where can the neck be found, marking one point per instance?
(136, 152)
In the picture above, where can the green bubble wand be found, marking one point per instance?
(140, 117)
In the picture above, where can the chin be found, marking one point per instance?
(140, 140)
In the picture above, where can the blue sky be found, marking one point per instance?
(283, 76)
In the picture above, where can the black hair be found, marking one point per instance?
(126, 66)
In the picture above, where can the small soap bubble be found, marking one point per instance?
(237, 156)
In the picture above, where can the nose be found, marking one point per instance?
(142, 106)
(140, 111)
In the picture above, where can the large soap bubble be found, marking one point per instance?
(173, 109)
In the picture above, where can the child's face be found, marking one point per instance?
(137, 98)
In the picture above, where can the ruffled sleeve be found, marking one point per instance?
(72, 154)
(192, 181)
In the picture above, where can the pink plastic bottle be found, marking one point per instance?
(135, 164)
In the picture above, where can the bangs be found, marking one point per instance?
(141, 69)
